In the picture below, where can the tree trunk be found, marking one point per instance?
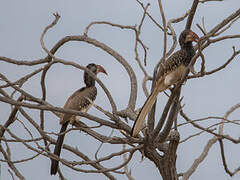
(166, 163)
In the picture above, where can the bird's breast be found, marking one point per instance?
(175, 75)
(85, 109)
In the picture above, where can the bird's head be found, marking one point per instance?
(89, 80)
(187, 37)
(96, 68)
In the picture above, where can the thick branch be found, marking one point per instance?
(191, 14)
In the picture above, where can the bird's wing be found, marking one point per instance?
(169, 72)
(174, 61)
(81, 100)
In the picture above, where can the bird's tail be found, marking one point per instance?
(143, 113)
(57, 150)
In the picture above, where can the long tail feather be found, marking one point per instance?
(143, 113)
(57, 150)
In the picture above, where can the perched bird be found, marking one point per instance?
(171, 71)
(81, 100)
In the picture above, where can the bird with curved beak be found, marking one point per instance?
(171, 72)
(81, 100)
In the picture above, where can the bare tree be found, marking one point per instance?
(158, 143)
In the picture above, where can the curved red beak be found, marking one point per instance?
(194, 36)
(101, 69)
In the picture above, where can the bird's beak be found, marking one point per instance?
(195, 37)
(192, 36)
(101, 69)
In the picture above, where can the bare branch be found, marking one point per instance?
(118, 57)
(236, 141)
(11, 174)
(200, 159)
(191, 14)
(204, 1)
(232, 109)
(163, 137)
(128, 174)
(153, 20)
(235, 53)
(224, 160)
(169, 25)
(23, 62)
(172, 117)
(164, 30)
(11, 118)
(10, 164)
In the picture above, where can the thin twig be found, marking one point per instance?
(165, 30)
(10, 164)
(200, 159)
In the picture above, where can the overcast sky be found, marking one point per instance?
(21, 24)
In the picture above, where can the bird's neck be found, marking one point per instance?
(89, 81)
(188, 47)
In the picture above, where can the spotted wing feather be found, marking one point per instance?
(79, 101)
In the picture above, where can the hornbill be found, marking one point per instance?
(170, 72)
(81, 100)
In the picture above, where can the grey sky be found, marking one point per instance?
(21, 24)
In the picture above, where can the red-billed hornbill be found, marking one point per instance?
(81, 100)
(171, 71)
